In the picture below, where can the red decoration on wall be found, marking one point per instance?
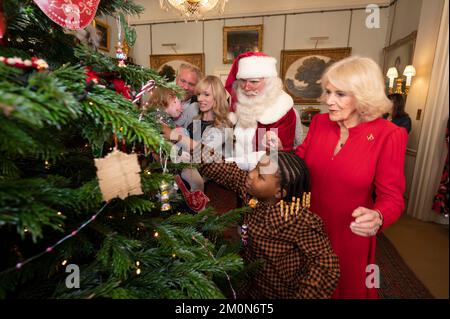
(70, 14)
(2, 23)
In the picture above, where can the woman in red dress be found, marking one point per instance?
(356, 161)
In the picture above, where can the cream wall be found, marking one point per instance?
(343, 28)
(406, 16)
(280, 32)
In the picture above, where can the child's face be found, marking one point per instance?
(174, 108)
(205, 100)
(263, 182)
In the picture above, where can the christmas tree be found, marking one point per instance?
(62, 105)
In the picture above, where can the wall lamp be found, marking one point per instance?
(392, 74)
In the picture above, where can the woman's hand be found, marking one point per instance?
(367, 222)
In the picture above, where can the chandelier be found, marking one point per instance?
(193, 9)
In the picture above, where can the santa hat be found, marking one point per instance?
(250, 65)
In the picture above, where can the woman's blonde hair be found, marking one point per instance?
(220, 107)
(159, 97)
(362, 78)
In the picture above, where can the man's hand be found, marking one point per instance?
(271, 141)
(367, 222)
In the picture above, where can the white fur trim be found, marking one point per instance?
(257, 67)
(244, 140)
(274, 112)
(232, 117)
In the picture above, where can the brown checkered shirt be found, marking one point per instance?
(298, 261)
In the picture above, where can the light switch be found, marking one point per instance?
(419, 113)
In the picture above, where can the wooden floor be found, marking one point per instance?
(424, 247)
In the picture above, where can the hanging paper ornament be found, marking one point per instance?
(70, 14)
(118, 175)
(196, 200)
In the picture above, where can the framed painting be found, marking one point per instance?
(103, 32)
(240, 39)
(400, 53)
(301, 71)
(173, 61)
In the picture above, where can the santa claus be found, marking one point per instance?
(263, 113)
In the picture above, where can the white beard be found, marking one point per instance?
(250, 108)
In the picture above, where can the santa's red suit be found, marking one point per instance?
(278, 114)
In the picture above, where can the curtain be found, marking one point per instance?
(440, 202)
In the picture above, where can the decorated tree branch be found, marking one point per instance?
(69, 126)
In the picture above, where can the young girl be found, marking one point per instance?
(209, 128)
(298, 261)
(164, 105)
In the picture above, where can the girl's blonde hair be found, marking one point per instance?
(159, 97)
(220, 107)
(362, 78)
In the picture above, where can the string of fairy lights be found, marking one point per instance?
(59, 242)
(138, 271)
(150, 85)
(212, 256)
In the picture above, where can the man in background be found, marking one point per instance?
(187, 78)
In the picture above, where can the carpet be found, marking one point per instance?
(397, 280)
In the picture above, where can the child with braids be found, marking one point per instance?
(297, 258)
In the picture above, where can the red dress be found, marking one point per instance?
(372, 159)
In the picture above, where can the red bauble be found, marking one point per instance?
(70, 14)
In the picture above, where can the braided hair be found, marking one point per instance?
(294, 175)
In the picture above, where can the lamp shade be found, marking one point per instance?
(392, 73)
(409, 71)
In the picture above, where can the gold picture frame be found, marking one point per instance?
(157, 61)
(240, 39)
(103, 32)
(400, 53)
(301, 71)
